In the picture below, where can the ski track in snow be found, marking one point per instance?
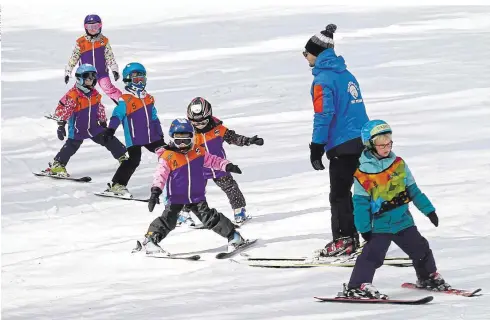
(66, 254)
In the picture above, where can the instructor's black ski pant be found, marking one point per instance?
(341, 170)
(210, 218)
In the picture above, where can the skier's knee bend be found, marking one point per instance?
(134, 162)
(210, 218)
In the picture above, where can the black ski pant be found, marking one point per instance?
(210, 218)
(128, 167)
(341, 170)
(71, 146)
(374, 252)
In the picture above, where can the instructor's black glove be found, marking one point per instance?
(316, 153)
(366, 236)
(154, 198)
(108, 134)
(67, 78)
(61, 130)
(255, 140)
(433, 218)
(116, 75)
(230, 167)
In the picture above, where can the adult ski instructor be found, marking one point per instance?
(339, 116)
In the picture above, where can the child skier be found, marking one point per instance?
(137, 113)
(180, 169)
(383, 188)
(82, 108)
(211, 134)
(94, 48)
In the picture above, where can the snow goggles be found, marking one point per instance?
(89, 75)
(200, 124)
(93, 26)
(182, 142)
(138, 77)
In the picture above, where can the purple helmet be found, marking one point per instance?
(92, 18)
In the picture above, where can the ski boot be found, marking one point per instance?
(151, 244)
(344, 246)
(235, 240)
(365, 291)
(118, 190)
(241, 215)
(434, 282)
(57, 169)
(122, 158)
(185, 219)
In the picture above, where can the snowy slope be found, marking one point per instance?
(66, 253)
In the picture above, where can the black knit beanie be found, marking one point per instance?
(321, 41)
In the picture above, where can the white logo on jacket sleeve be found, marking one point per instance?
(354, 92)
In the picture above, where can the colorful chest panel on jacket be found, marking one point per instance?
(217, 132)
(133, 104)
(86, 45)
(83, 123)
(388, 189)
(94, 53)
(176, 160)
(186, 183)
(83, 102)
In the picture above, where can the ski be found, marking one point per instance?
(178, 256)
(300, 259)
(301, 264)
(246, 245)
(423, 300)
(110, 195)
(174, 256)
(79, 179)
(458, 292)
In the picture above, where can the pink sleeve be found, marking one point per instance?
(101, 113)
(161, 175)
(65, 108)
(215, 162)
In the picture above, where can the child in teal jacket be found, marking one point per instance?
(383, 188)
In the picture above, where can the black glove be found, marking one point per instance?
(103, 124)
(108, 134)
(116, 75)
(433, 218)
(61, 130)
(154, 198)
(316, 153)
(255, 140)
(230, 167)
(366, 236)
(67, 78)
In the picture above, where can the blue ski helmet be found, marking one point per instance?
(372, 129)
(134, 75)
(83, 72)
(182, 126)
(92, 18)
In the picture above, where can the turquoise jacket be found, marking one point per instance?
(394, 220)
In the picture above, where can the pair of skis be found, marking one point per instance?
(221, 255)
(407, 285)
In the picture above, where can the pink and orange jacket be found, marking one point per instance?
(83, 112)
(182, 173)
